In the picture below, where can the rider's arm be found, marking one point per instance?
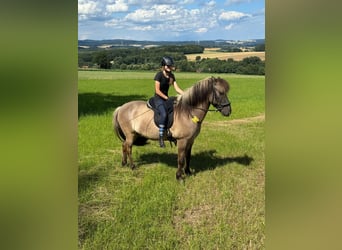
(177, 88)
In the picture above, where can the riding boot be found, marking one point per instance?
(161, 136)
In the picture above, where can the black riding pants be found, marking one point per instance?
(161, 107)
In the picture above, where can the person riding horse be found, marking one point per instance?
(134, 121)
(163, 80)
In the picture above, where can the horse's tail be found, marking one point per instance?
(116, 125)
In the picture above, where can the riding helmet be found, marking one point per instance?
(167, 61)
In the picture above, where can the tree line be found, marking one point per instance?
(149, 59)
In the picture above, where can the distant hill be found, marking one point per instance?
(122, 43)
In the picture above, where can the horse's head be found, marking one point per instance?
(219, 97)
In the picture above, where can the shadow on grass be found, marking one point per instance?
(91, 174)
(202, 161)
(87, 178)
(100, 103)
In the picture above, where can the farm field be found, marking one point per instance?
(237, 56)
(221, 206)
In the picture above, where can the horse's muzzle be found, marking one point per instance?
(226, 110)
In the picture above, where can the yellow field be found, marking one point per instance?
(237, 56)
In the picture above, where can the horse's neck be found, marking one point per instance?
(200, 111)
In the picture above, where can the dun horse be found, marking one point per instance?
(134, 120)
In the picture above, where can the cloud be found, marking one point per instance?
(163, 19)
(155, 14)
(233, 15)
(186, 2)
(87, 7)
(147, 3)
(141, 16)
(229, 27)
(211, 4)
(143, 28)
(231, 2)
(201, 30)
(118, 6)
(174, 19)
(114, 23)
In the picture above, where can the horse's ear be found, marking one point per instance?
(214, 79)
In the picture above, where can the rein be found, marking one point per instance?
(207, 110)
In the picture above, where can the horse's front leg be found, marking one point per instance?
(181, 157)
(187, 159)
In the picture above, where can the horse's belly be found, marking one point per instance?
(144, 126)
(149, 131)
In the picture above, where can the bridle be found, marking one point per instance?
(219, 106)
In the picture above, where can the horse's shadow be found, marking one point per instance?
(202, 161)
(87, 178)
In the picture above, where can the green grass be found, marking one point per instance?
(220, 207)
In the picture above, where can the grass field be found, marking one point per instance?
(237, 56)
(221, 206)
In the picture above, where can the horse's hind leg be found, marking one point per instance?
(124, 154)
(127, 152)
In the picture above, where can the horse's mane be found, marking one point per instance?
(195, 95)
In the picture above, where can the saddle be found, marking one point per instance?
(169, 109)
(169, 103)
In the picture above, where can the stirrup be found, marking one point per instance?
(170, 138)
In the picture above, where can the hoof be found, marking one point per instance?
(133, 167)
(181, 181)
(179, 176)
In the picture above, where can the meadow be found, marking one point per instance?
(215, 53)
(221, 206)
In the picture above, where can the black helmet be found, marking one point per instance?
(167, 61)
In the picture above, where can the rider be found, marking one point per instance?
(163, 80)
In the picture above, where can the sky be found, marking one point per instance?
(171, 20)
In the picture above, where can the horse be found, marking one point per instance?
(133, 120)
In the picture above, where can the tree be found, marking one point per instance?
(260, 47)
(102, 60)
(251, 60)
(123, 66)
